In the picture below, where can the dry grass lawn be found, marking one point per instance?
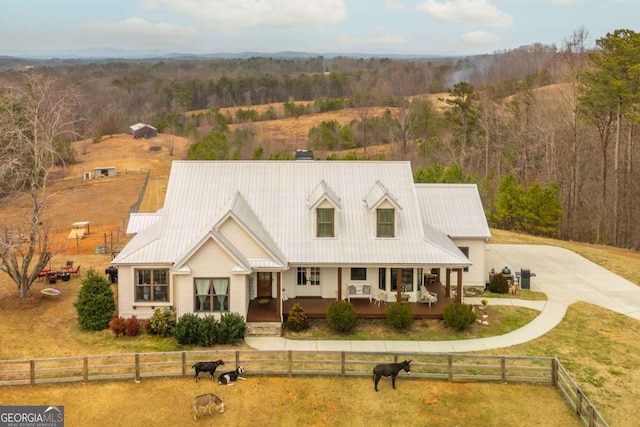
(302, 402)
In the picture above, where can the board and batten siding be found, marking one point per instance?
(208, 262)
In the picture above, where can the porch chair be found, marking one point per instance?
(381, 298)
(428, 297)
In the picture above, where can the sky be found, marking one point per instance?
(421, 27)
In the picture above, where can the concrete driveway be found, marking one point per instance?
(567, 277)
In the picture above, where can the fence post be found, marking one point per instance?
(85, 369)
(450, 367)
(77, 244)
(184, 363)
(237, 358)
(32, 372)
(503, 369)
(591, 422)
(578, 401)
(290, 360)
(137, 359)
(342, 367)
(554, 372)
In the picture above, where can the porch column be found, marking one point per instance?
(339, 293)
(459, 286)
(279, 286)
(448, 283)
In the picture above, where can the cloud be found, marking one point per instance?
(480, 38)
(572, 2)
(160, 33)
(394, 5)
(242, 14)
(379, 38)
(478, 12)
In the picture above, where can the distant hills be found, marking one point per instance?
(108, 54)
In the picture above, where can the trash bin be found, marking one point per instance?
(525, 278)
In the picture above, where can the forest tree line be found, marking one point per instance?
(543, 123)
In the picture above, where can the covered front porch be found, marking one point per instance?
(315, 307)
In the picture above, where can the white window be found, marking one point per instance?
(308, 276)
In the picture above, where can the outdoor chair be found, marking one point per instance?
(428, 297)
(75, 271)
(381, 298)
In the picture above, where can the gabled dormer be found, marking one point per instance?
(384, 209)
(324, 205)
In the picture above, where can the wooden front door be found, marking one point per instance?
(264, 284)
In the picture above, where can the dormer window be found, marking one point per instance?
(385, 223)
(325, 222)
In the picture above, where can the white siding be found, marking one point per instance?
(476, 276)
(242, 240)
(126, 295)
(211, 261)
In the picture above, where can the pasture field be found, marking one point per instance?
(277, 401)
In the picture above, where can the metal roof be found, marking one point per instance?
(454, 209)
(140, 221)
(270, 199)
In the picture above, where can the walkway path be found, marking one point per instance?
(564, 276)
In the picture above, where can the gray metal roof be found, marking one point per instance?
(140, 221)
(454, 209)
(270, 199)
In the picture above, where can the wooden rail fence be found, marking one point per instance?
(440, 366)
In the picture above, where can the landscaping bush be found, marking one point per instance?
(117, 326)
(341, 316)
(231, 328)
(163, 321)
(399, 316)
(131, 326)
(499, 284)
(208, 331)
(187, 329)
(296, 319)
(458, 316)
(95, 304)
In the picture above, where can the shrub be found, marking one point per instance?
(231, 328)
(147, 326)
(163, 321)
(458, 316)
(499, 284)
(399, 316)
(131, 326)
(95, 304)
(296, 319)
(208, 331)
(117, 326)
(341, 316)
(187, 329)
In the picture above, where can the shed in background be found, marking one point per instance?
(142, 130)
(105, 171)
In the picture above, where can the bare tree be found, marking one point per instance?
(33, 116)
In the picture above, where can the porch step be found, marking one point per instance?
(264, 329)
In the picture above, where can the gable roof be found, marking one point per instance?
(454, 209)
(270, 199)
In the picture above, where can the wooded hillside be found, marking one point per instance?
(548, 117)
